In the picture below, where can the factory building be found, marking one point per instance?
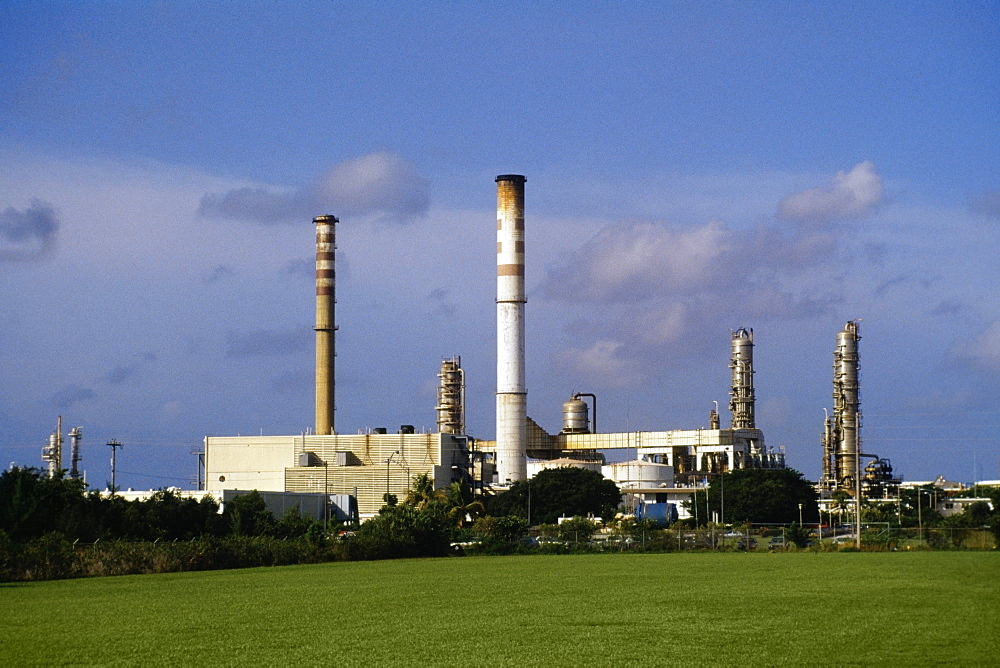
(368, 466)
(365, 466)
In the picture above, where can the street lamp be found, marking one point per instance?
(388, 459)
(800, 515)
(920, 518)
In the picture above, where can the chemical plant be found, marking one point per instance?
(357, 471)
(365, 467)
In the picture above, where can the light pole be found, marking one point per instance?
(326, 496)
(388, 459)
(920, 518)
(114, 445)
(529, 503)
(800, 515)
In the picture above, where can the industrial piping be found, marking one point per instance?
(512, 411)
(326, 299)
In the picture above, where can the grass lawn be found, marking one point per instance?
(608, 609)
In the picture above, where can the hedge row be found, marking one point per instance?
(52, 557)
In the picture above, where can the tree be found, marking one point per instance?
(248, 515)
(553, 493)
(461, 503)
(759, 496)
(500, 534)
(32, 503)
(974, 515)
(422, 492)
(577, 530)
(403, 531)
(797, 535)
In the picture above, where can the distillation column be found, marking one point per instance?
(741, 405)
(451, 397)
(326, 299)
(512, 413)
(75, 434)
(846, 405)
(52, 453)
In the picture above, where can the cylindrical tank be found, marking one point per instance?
(576, 416)
(639, 473)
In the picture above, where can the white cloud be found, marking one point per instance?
(379, 183)
(382, 185)
(849, 195)
(984, 350)
(604, 359)
(632, 262)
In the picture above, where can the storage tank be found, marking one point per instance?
(660, 513)
(576, 416)
(639, 473)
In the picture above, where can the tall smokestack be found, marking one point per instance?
(846, 405)
(326, 299)
(512, 396)
(741, 405)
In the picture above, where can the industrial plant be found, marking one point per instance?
(357, 472)
(366, 467)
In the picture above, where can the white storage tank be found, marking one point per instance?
(639, 474)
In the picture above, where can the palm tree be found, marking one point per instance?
(422, 492)
(841, 502)
(461, 503)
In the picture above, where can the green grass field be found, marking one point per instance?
(608, 609)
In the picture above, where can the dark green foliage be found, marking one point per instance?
(248, 515)
(32, 504)
(292, 524)
(975, 515)
(798, 535)
(759, 496)
(918, 506)
(403, 531)
(316, 534)
(505, 529)
(577, 530)
(53, 557)
(555, 493)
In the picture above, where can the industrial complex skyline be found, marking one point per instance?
(691, 170)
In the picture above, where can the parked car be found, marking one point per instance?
(744, 545)
(776, 543)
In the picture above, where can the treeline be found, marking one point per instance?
(55, 528)
(33, 504)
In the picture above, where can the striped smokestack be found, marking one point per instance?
(512, 417)
(326, 299)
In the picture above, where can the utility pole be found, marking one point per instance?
(114, 445)
(201, 467)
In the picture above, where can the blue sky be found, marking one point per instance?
(692, 168)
